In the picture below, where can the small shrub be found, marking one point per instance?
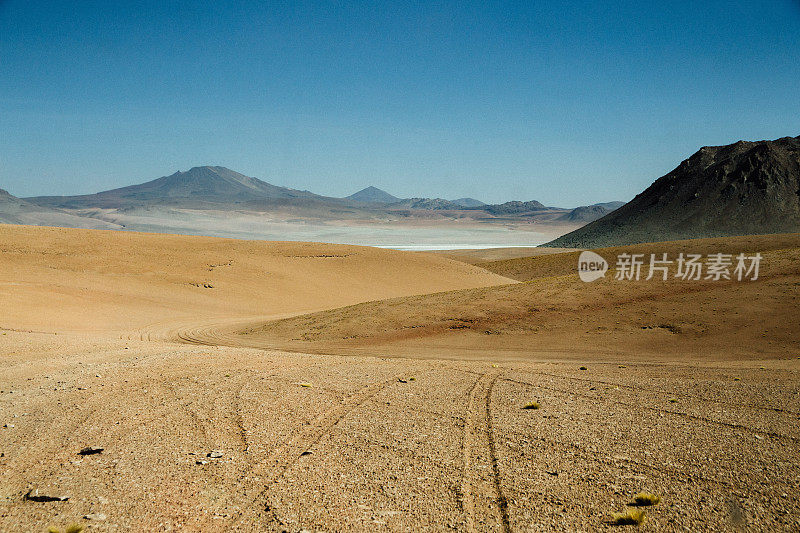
(584, 368)
(412, 378)
(673, 400)
(737, 379)
(643, 499)
(532, 405)
(631, 517)
(74, 528)
(305, 384)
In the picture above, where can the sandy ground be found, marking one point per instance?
(426, 432)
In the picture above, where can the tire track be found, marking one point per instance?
(498, 486)
(467, 500)
(479, 420)
(287, 454)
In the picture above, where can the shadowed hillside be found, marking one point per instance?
(740, 189)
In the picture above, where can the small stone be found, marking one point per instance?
(95, 516)
(98, 376)
(305, 453)
(8, 426)
(201, 462)
(90, 450)
(215, 454)
(34, 496)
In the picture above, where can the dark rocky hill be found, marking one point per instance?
(739, 189)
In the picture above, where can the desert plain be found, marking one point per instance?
(239, 385)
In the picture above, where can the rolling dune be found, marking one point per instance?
(55, 279)
(553, 312)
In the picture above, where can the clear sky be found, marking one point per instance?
(568, 103)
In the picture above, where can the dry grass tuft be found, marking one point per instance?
(631, 517)
(673, 400)
(304, 384)
(644, 499)
(532, 405)
(74, 528)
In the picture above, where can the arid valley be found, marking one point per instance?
(247, 385)
(352, 266)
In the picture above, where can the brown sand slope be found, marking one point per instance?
(326, 443)
(553, 311)
(63, 279)
(365, 448)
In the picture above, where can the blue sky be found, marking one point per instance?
(568, 103)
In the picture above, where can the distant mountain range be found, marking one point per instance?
(14, 210)
(195, 187)
(219, 188)
(739, 189)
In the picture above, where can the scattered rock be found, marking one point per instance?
(91, 450)
(9, 426)
(34, 496)
(305, 453)
(201, 462)
(95, 516)
(552, 472)
(402, 380)
(215, 454)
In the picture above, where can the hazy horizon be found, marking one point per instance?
(565, 103)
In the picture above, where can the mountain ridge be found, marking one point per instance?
(374, 195)
(748, 187)
(201, 184)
